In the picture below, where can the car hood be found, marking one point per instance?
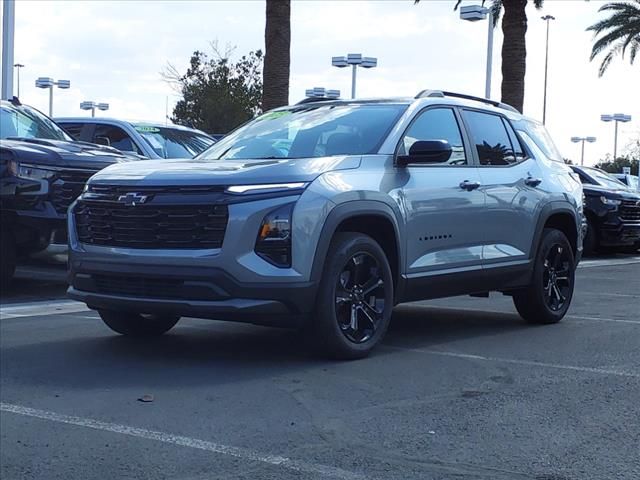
(620, 193)
(61, 154)
(224, 172)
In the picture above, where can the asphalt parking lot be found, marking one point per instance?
(461, 389)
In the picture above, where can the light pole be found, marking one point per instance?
(86, 105)
(355, 60)
(320, 92)
(18, 66)
(473, 13)
(616, 117)
(7, 35)
(47, 82)
(582, 140)
(546, 18)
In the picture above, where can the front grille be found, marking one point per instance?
(151, 226)
(138, 287)
(630, 211)
(67, 187)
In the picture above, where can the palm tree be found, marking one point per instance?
(619, 32)
(277, 39)
(514, 48)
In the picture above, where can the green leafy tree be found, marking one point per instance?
(514, 47)
(277, 59)
(218, 94)
(618, 33)
(615, 166)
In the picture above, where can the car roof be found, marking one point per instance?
(119, 121)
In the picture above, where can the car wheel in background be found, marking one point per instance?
(138, 324)
(7, 257)
(355, 298)
(590, 245)
(549, 296)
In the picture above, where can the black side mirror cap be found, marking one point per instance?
(427, 151)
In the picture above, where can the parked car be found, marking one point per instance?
(150, 140)
(630, 181)
(324, 215)
(612, 210)
(42, 170)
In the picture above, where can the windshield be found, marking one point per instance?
(310, 130)
(543, 140)
(606, 180)
(20, 121)
(170, 142)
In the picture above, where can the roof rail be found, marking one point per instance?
(440, 93)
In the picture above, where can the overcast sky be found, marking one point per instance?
(114, 51)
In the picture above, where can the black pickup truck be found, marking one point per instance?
(612, 210)
(42, 171)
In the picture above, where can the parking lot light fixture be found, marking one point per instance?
(582, 140)
(87, 105)
(320, 92)
(616, 117)
(355, 60)
(474, 13)
(48, 82)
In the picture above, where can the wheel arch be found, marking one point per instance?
(561, 217)
(370, 217)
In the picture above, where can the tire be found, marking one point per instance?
(136, 324)
(7, 258)
(354, 267)
(549, 296)
(590, 244)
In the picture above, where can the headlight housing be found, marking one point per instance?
(610, 201)
(274, 237)
(30, 172)
(266, 188)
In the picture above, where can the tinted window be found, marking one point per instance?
(490, 137)
(73, 129)
(436, 124)
(518, 151)
(310, 130)
(116, 136)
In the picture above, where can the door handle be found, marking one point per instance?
(467, 185)
(532, 182)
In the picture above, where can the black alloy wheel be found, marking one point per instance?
(556, 276)
(360, 298)
(548, 297)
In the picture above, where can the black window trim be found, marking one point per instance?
(523, 145)
(472, 160)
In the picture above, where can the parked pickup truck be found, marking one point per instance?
(42, 171)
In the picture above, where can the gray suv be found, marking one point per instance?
(323, 215)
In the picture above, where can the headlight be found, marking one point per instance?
(274, 238)
(610, 201)
(23, 170)
(266, 188)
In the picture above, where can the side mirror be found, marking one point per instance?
(427, 151)
(102, 141)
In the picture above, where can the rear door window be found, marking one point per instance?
(491, 139)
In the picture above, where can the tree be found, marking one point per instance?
(514, 48)
(615, 166)
(217, 93)
(277, 40)
(618, 33)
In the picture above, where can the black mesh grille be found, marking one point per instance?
(67, 187)
(151, 226)
(630, 211)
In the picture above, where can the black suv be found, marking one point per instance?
(42, 171)
(612, 211)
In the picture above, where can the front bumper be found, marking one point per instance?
(202, 292)
(622, 235)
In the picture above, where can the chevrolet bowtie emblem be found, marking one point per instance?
(133, 199)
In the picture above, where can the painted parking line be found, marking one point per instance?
(217, 448)
(30, 309)
(515, 361)
(608, 262)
